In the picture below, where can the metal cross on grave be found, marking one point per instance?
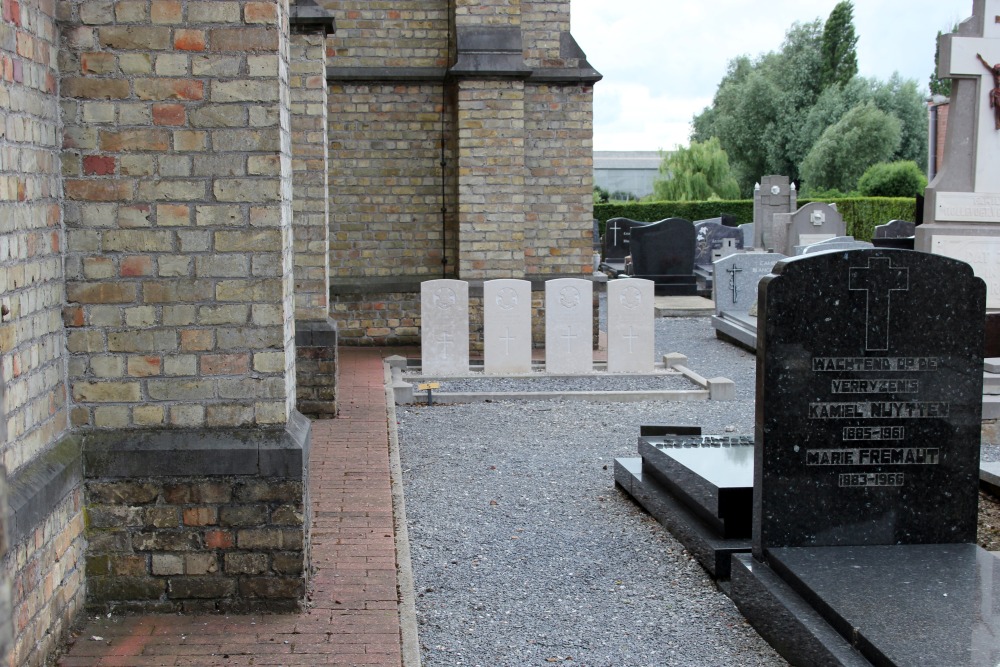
(733, 285)
(967, 56)
(879, 279)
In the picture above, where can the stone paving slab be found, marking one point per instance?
(352, 612)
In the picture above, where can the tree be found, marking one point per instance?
(865, 136)
(698, 173)
(840, 59)
(938, 85)
(756, 105)
(892, 179)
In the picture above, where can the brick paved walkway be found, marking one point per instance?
(353, 615)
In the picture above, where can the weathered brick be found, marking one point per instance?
(246, 563)
(201, 587)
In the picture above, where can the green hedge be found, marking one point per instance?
(861, 214)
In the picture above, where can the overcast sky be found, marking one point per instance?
(662, 60)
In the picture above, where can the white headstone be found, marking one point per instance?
(630, 326)
(569, 326)
(507, 326)
(444, 327)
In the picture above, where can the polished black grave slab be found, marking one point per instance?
(700, 488)
(712, 475)
(903, 605)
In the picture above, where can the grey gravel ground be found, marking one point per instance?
(525, 553)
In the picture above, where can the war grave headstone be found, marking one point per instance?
(631, 337)
(835, 243)
(664, 253)
(712, 241)
(894, 234)
(506, 327)
(772, 196)
(569, 326)
(810, 224)
(962, 208)
(617, 234)
(444, 327)
(866, 464)
(735, 296)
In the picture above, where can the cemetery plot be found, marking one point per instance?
(735, 296)
(663, 252)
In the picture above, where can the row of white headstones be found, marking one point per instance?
(569, 326)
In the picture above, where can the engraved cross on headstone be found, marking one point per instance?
(964, 59)
(630, 337)
(568, 337)
(879, 280)
(733, 285)
(507, 339)
(445, 340)
(614, 234)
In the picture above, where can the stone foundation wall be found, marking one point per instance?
(6, 612)
(197, 521)
(195, 544)
(45, 559)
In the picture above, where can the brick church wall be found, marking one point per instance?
(41, 558)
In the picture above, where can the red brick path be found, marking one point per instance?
(352, 616)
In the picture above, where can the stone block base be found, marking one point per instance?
(197, 521)
(45, 553)
(316, 368)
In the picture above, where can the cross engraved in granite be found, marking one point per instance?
(733, 285)
(614, 233)
(879, 279)
(631, 337)
(569, 336)
(507, 339)
(445, 340)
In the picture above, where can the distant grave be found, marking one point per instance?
(894, 234)
(714, 240)
(810, 224)
(444, 327)
(735, 295)
(569, 326)
(616, 247)
(506, 327)
(631, 336)
(663, 252)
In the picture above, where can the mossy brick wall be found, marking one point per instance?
(40, 566)
(178, 210)
(386, 180)
(195, 545)
(48, 588)
(6, 611)
(390, 318)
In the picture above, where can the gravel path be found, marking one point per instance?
(525, 553)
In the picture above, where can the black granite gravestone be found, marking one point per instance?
(617, 234)
(869, 372)
(664, 253)
(866, 464)
(709, 236)
(894, 234)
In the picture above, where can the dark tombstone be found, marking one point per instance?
(710, 237)
(866, 463)
(597, 235)
(919, 218)
(991, 348)
(699, 487)
(617, 235)
(894, 234)
(664, 253)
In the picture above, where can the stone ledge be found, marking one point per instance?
(279, 452)
(316, 333)
(411, 284)
(38, 488)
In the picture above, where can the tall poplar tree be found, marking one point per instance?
(839, 47)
